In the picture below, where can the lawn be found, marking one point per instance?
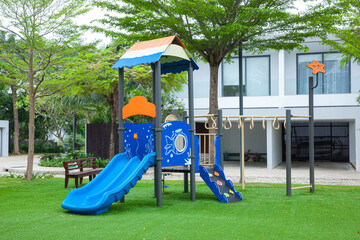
(31, 210)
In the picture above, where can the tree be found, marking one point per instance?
(96, 77)
(215, 28)
(55, 112)
(348, 32)
(10, 76)
(45, 37)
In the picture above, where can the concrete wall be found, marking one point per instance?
(352, 145)
(255, 139)
(274, 145)
(4, 138)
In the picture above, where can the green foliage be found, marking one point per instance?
(36, 175)
(42, 147)
(77, 155)
(13, 175)
(213, 29)
(96, 77)
(348, 31)
(6, 113)
(45, 39)
(57, 160)
(79, 141)
(101, 163)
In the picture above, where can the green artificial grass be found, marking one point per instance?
(31, 210)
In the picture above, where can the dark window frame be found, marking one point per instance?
(245, 80)
(322, 60)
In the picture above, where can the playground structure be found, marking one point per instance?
(215, 120)
(145, 145)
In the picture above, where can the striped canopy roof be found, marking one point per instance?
(170, 51)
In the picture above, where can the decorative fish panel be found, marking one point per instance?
(176, 144)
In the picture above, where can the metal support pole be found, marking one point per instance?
(288, 152)
(311, 131)
(241, 108)
(220, 133)
(154, 101)
(158, 130)
(192, 129)
(186, 175)
(121, 128)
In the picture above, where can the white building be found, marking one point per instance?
(4, 138)
(276, 81)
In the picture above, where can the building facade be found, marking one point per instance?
(276, 81)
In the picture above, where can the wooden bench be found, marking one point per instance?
(79, 168)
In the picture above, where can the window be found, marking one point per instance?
(256, 76)
(335, 80)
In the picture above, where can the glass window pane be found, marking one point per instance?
(303, 73)
(230, 79)
(231, 72)
(336, 79)
(257, 76)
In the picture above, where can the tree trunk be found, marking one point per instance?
(63, 144)
(112, 102)
(59, 135)
(213, 94)
(16, 121)
(30, 160)
(112, 133)
(213, 104)
(75, 119)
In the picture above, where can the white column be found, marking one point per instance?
(357, 144)
(273, 146)
(281, 73)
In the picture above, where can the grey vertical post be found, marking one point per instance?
(288, 152)
(121, 128)
(220, 133)
(311, 132)
(74, 132)
(158, 130)
(241, 103)
(154, 101)
(192, 129)
(186, 175)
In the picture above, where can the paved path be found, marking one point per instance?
(325, 173)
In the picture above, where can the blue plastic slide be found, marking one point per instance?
(116, 180)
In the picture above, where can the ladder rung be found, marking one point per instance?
(294, 188)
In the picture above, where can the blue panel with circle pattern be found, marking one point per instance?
(176, 144)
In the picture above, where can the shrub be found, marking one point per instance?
(35, 175)
(101, 162)
(41, 147)
(51, 161)
(56, 160)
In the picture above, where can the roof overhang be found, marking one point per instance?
(170, 51)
